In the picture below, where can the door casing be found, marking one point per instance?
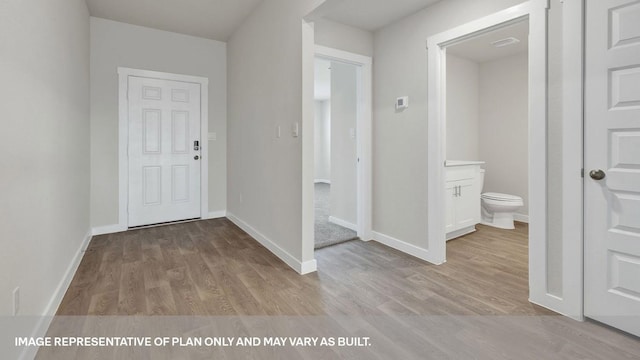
(123, 137)
(570, 303)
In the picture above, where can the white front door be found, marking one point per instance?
(164, 156)
(612, 150)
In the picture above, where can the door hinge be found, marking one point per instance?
(582, 172)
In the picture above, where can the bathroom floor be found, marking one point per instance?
(497, 256)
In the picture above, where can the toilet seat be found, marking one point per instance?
(501, 197)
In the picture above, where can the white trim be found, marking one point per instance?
(322, 181)
(107, 229)
(216, 214)
(343, 223)
(436, 129)
(123, 135)
(308, 267)
(572, 160)
(42, 326)
(406, 248)
(364, 131)
(308, 144)
(460, 232)
(538, 107)
(536, 10)
(300, 267)
(521, 218)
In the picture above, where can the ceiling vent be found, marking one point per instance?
(505, 42)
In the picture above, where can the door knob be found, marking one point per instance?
(597, 174)
(196, 157)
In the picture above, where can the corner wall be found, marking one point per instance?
(265, 91)
(400, 138)
(44, 95)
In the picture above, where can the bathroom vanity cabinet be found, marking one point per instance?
(463, 185)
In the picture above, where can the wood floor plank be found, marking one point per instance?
(160, 301)
(131, 297)
(213, 268)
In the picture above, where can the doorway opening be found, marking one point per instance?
(342, 141)
(486, 145)
(536, 15)
(335, 158)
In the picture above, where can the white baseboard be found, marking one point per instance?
(521, 218)
(405, 247)
(323, 181)
(116, 228)
(343, 223)
(43, 324)
(216, 215)
(300, 267)
(107, 229)
(308, 267)
(455, 234)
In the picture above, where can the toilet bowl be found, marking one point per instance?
(498, 209)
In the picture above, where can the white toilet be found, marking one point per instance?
(498, 209)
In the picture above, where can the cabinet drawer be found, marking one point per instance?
(460, 173)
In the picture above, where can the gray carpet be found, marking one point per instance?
(328, 233)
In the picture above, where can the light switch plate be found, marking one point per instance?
(295, 130)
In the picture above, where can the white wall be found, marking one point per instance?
(344, 101)
(463, 111)
(44, 97)
(400, 151)
(115, 44)
(266, 58)
(504, 122)
(339, 36)
(322, 142)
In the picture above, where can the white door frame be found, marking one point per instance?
(363, 132)
(123, 137)
(536, 10)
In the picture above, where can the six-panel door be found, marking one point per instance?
(164, 162)
(612, 145)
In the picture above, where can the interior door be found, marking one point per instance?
(164, 155)
(612, 163)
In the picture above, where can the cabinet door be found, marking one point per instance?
(467, 204)
(450, 211)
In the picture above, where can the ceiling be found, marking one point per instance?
(370, 15)
(322, 79)
(212, 19)
(479, 48)
(217, 19)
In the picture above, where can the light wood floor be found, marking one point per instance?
(214, 268)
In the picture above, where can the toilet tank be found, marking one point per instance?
(481, 180)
